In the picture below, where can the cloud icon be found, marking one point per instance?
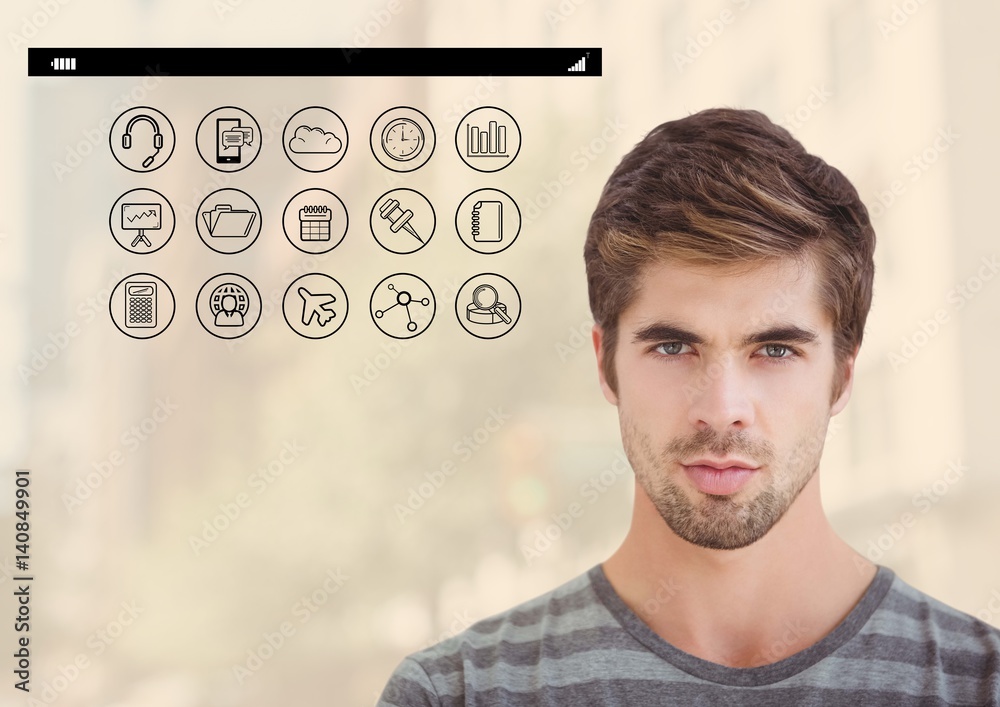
(309, 140)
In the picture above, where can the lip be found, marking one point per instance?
(719, 481)
(727, 463)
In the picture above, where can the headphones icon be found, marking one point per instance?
(157, 137)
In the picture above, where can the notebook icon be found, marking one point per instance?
(226, 222)
(487, 221)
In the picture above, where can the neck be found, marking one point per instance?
(745, 607)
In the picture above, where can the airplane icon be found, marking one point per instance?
(318, 305)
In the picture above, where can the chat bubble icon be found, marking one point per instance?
(238, 137)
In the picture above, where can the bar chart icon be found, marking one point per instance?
(581, 65)
(491, 142)
(488, 139)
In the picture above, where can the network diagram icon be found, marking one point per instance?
(405, 299)
(402, 306)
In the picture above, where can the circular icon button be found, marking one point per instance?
(228, 221)
(488, 305)
(488, 139)
(488, 221)
(142, 221)
(228, 139)
(402, 139)
(142, 305)
(402, 221)
(142, 139)
(315, 221)
(315, 306)
(315, 139)
(402, 306)
(228, 306)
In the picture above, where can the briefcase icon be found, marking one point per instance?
(226, 222)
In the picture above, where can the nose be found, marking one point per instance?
(720, 397)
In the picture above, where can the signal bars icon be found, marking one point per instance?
(61, 64)
(580, 65)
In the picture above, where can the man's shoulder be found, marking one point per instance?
(569, 607)
(565, 619)
(911, 615)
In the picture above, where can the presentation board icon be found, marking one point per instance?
(488, 139)
(315, 139)
(402, 221)
(315, 306)
(141, 218)
(402, 139)
(228, 306)
(488, 221)
(142, 221)
(488, 305)
(228, 139)
(315, 221)
(142, 139)
(141, 305)
(402, 306)
(228, 221)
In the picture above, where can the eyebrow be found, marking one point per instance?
(665, 331)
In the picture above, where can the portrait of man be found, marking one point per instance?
(730, 274)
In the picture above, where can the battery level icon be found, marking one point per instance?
(62, 64)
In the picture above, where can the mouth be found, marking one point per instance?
(719, 481)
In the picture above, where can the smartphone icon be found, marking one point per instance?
(226, 154)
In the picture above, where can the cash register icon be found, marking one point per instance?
(224, 221)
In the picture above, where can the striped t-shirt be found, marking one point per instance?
(580, 644)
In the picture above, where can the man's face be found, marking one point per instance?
(724, 368)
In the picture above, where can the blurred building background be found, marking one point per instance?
(382, 508)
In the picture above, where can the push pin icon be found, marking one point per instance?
(398, 218)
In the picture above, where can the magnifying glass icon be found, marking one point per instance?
(486, 297)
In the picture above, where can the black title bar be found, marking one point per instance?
(314, 61)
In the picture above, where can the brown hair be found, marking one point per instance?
(728, 188)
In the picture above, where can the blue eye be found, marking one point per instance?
(784, 353)
(672, 348)
(773, 353)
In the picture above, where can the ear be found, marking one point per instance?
(597, 334)
(847, 384)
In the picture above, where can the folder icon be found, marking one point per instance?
(226, 222)
(487, 221)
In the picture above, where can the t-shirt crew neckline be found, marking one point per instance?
(744, 677)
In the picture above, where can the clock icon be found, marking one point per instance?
(402, 139)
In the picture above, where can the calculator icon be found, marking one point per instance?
(140, 305)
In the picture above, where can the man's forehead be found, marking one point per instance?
(747, 295)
